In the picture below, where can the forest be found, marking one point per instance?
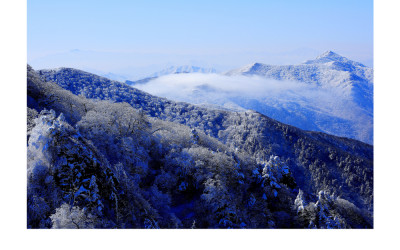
(102, 154)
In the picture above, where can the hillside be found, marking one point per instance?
(168, 164)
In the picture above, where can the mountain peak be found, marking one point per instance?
(329, 54)
(248, 69)
(329, 57)
(254, 65)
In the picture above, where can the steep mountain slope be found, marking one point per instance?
(318, 161)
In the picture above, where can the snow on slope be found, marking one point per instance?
(331, 93)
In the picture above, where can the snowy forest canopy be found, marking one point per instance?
(102, 154)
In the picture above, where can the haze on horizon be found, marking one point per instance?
(128, 37)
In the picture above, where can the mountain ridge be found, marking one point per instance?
(327, 61)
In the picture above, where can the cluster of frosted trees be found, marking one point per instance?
(116, 169)
(97, 164)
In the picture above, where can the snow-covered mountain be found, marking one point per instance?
(328, 70)
(183, 69)
(331, 93)
(126, 151)
(307, 71)
(352, 83)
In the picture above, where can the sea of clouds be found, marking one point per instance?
(307, 106)
(218, 89)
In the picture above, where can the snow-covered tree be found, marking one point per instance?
(299, 202)
(220, 203)
(43, 193)
(42, 135)
(67, 217)
(273, 177)
(322, 214)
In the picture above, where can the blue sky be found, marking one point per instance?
(214, 33)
